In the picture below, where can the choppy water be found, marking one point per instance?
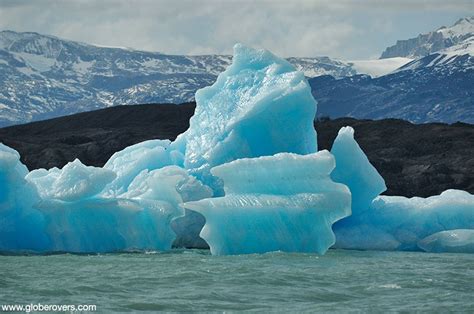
(195, 281)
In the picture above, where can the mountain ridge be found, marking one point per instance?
(45, 76)
(425, 44)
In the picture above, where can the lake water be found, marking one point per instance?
(193, 280)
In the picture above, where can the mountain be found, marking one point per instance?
(45, 76)
(414, 159)
(435, 88)
(423, 81)
(426, 44)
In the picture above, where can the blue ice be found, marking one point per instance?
(390, 222)
(255, 108)
(286, 202)
(21, 225)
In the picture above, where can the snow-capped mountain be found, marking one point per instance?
(436, 88)
(426, 44)
(454, 58)
(44, 76)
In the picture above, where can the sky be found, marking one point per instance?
(343, 29)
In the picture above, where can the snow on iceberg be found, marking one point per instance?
(259, 106)
(285, 202)
(450, 241)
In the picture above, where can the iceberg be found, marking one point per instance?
(286, 202)
(449, 241)
(174, 185)
(245, 177)
(65, 210)
(259, 106)
(390, 222)
(399, 223)
(354, 169)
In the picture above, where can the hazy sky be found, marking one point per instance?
(343, 29)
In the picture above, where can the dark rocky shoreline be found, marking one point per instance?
(414, 159)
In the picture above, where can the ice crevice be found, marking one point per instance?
(246, 177)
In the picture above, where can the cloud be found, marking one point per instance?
(344, 29)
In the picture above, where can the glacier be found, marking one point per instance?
(246, 177)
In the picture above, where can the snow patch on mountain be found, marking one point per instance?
(379, 67)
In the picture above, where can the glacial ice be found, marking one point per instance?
(72, 183)
(399, 223)
(107, 225)
(449, 241)
(247, 169)
(255, 108)
(286, 202)
(21, 225)
(131, 161)
(389, 222)
(354, 169)
(64, 209)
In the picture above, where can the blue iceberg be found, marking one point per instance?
(354, 169)
(255, 108)
(246, 176)
(390, 222)
(285, 202)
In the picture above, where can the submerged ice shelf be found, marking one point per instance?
(246, 177)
